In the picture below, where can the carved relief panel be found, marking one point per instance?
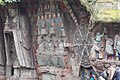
(50, 37)
(83, 44)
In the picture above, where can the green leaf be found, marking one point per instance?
(1, 2)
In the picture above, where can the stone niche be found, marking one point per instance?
(19, 59)
(53, 36)
(109, 31)
(49, 43)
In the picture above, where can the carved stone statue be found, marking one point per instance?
(52, 29)
(117, 42)
(109, 48)
(98, 38)
(117, 46)
(46, 43)
(73, 63)
(39, 25)
(61, 46)
(94, 51)
(56, 44)
(42, 21)
(48, 21)
(58, 20)
(21, 34)
(43, 27)
(40, 46)
(7, 23)
(51, 45)
(63, 32)
(102, 51)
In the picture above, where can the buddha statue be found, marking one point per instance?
(22, 38)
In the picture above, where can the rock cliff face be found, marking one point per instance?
(60, 41)
(2, 53)
(103, 10)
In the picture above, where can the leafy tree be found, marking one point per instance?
(2, 2)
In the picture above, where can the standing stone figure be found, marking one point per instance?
(98, 38)
(42, 21)
(21, 34)
(94, 51)
(38, 24)
(109, 49)
(41, 47)
(23, 67)
(48, 21)
(57, 21)
(117, 45)
(51, 45)
(73, 64)
(61, 46)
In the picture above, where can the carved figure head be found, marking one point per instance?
(97, 33)
(49, 15)
(13, 12)
(109, 41)
(42, 17)
(45, 7)
(45, 16)
(73, 56)
(117, 36)
(58, 14)
(54, 15)
(48, 6)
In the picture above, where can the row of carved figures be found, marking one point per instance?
(50, 45)
(47, 7)
(105, 47)
(50, 25)
(50, 30)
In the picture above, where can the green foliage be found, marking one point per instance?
(2, 3)
(11, 1)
